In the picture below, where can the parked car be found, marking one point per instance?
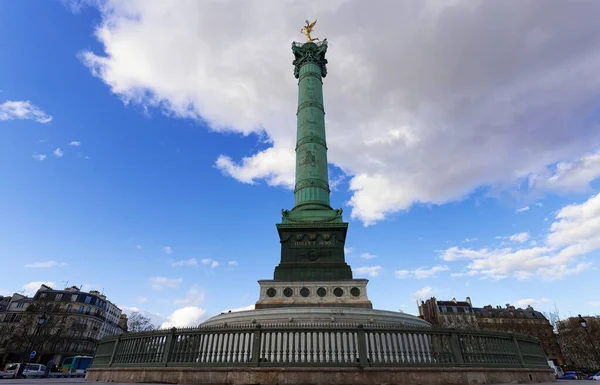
(34, 370)
(569, 376)
(596, 377)
(10, 371)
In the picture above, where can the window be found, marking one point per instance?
(449, 309)
(81, 309)
(88, 310)
(20, 304)
(69, 307)
(43, 295)
(73, 297)
(58, 297)
(88, 299)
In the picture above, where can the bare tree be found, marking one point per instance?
(138, 323)
(553, 317)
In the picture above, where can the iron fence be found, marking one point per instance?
(326, 345)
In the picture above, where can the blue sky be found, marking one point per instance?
(143, 155)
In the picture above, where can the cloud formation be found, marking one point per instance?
(574, 233)
(32, 287)
(428, 121)
(369, 271)
(185, 262)
(44, 264)
(420, 273)
(158, 283)
(210, 262)
(195, 296)
(23, 110)
(184, 317)
(423, 293)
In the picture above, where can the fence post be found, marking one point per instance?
(256, 336)
(456, 348)
(168, 346)
(518, 350)
(361, 336)
(114, 351)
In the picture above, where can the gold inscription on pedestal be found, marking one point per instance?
(313, 243)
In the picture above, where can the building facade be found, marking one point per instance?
(111, 327)
(462, 315)
(72, 324)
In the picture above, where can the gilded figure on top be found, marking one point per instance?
(307, 30)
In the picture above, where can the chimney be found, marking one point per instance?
(507, 305)
(469, 301)
(454, 300)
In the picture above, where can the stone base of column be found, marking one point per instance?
(343, 293)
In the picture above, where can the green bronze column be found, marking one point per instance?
(312, 234)
(312, 181)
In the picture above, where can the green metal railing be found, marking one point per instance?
(335, 345)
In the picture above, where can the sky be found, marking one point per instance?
(147, 149)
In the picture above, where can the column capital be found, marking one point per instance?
(306, 53)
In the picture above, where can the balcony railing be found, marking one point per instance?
(289, 345)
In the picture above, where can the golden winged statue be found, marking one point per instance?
(307, 29)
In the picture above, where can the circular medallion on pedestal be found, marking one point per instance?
(271, 292)
(321, 292)
(338, 292)
(355, 291)
(288, 292)
(304, 292)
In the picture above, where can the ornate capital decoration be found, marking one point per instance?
(309, 53)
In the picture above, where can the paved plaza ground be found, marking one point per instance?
(81, 380)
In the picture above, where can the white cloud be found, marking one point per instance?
(423, 293)
(142, 299)
(32, 287)
(467, 240)
(75, 143)
(418, 123)
(367, 256)
(574, 233)
(10, 110)
(58, 153)
(39, 157)
(167, 250)
(184, 317)
(594, 303)
(275, 165)
(568, 176)
(531, 302)
(420, 273)
(519, 238)
(371, 271)
(185, 262)
(45, 264)
(232, 263)
(210, 262)
(195, 296)
(522, 209)
(347, 250)
(158, 283)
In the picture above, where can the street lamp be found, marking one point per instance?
(41, 321)
(583, 324)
